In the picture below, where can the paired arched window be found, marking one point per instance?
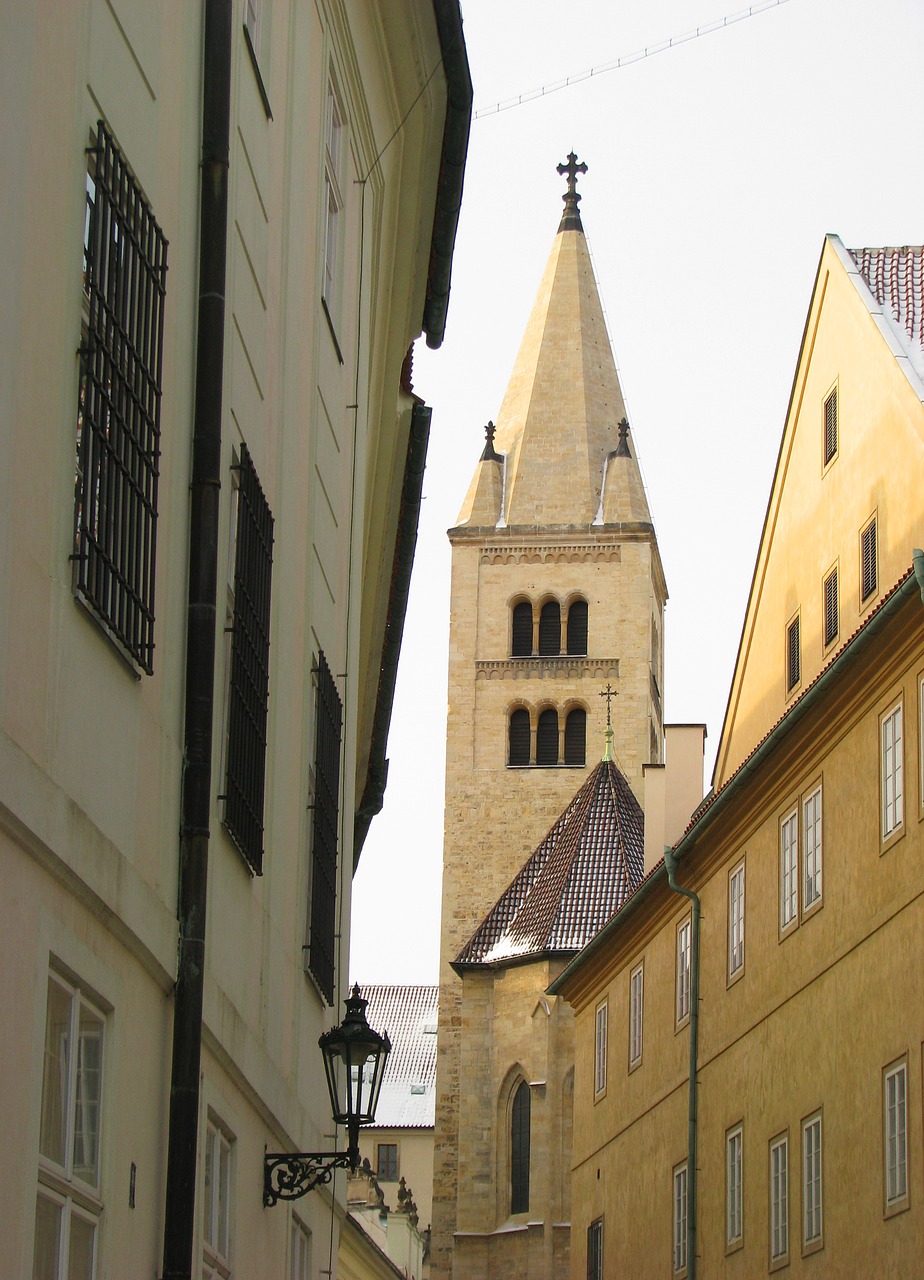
(546, 630)
(519, 1150)
(552, 747)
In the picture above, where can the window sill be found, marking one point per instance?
(735, 977)
(897, 1207)
(813, 1246)
(887, 842)
(102, 627)
(734, 1246)
(777, 1264)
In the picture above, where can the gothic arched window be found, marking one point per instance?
(577, 628)
(518, 737)
(519, 1150)
(521, 640)
(576, 736)
(550, 629)
(547, 737)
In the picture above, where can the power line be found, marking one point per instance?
(627, 59)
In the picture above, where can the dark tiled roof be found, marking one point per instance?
(408, 1014)
(591, 860)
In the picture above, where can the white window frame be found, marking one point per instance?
(892, 771)
(679, 1218)
(334, 146)
(217, 1200)
(895, 1136)
(636, 1014)
(734, 1198)
(789, 870)
(812, 836)
(682, 985)
(64, 1183)
(812, 1183)
(779, 1199)
(600, 1042)
(299, 1250)
(736, 921)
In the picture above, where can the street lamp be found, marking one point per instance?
(354, 1063)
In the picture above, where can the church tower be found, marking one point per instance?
(558, 593)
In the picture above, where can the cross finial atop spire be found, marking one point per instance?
(571, 218)
(609, 693)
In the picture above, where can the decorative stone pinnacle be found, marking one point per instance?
(622, 449)
(571, 218)
(490, 454)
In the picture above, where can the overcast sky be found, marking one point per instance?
(715, 168)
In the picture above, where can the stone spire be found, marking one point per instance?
(558, 429)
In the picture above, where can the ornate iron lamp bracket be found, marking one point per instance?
(289, 1177)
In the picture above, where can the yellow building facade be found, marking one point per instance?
(787, 968)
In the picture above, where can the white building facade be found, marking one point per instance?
(226, 223)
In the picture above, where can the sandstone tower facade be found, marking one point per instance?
(557, 592)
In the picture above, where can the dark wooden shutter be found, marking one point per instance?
(519, 1150)
(522, 638)
(518, 744)
(547, 737)
(576, 736)
(793, 655)
(248, 693)
(328, 734)
(831, 607)
(577, 628)
(869, 575)
(831, 426)
(550, 628)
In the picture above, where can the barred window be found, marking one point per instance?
(595, 1250)
(248, 691)
(118, 409)
(328, 734)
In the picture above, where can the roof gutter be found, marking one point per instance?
(452, 167)
(913, 581)
(405, 546)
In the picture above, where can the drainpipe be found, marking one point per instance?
(670, 862)
(180, 1195)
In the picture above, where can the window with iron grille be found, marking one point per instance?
(793, 655)
(521, 640)
(831, 426)
(519, 1150)
(518, 737)
(869, 575)
(248, 687)
(595, 1250)
(576, 736)
(328, 733)
(118, 410)
(577, 628)
(547, 737)
(832, 621)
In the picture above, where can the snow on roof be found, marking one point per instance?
(409, 1015)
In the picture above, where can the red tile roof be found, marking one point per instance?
(895, 277)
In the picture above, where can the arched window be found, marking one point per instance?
(521, 644)
(576, 736)
(577, 628)
(519, 1150)
(518, 740)
(547, 737)
(550, 629)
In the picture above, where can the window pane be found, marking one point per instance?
(789, 885)
(53, 1135)
(779, 1199)
(48, 1214)
(519, 1150)
(600, 1050)
(811, 836)
(82, 1248)
(896, 1137)
(680, 1218)
(87, 1096)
